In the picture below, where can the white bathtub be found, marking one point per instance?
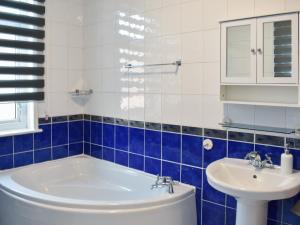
(87, 191)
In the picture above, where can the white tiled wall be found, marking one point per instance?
(151, 31)
(63, 57)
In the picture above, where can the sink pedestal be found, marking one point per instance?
(250, 212)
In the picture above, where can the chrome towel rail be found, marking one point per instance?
(176, 63)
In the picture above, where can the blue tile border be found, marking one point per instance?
(155, 148)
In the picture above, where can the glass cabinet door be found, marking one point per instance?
(277, 49)
(238, 52)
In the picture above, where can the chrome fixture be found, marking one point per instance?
(176, 63)
(255, 160)
(78, 92)
(164, 181)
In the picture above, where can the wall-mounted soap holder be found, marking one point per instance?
(80, 93)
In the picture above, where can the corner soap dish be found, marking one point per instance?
(79, 93)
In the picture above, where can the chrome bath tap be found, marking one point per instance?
(255, 160)
(164, 181)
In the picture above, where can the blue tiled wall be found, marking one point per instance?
(61, 137)
(180, 154)
(153, 148)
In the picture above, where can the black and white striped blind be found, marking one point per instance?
(22, 47)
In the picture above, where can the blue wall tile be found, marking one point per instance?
(108, 154)
(199, 206)
(43, 139)
(96, 133)
(272, 222)
(136, 162)
(75, 149)
(211, 194)
(42, 155)
(171, 145)
(239, 149)
(96, 151)
(87, 131)
(274, 151)
(122, 137)
(296, 158)
(108, 135)
(59, 134)
(275, 210)
(87, 148)
(230, 216)
(6, 162)
(60, 152)
(136, 143)
(6, 145)
(217, 152)
(23, 159)
(23, 143)
(153, 143)
(192, 176)
(192, 150)
(212, 214)
(122, 158)
(288, 216)
(171, 169)
(75, 131)
(231, 202)
(152, 166)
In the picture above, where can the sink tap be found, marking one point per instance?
(164, 181)
(255, 160)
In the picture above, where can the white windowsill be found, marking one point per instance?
(7, 133)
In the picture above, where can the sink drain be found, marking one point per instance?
(254, 176)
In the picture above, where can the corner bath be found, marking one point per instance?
(87, 191)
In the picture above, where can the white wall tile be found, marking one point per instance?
(171, 19)
(171, 109)
(191, 19)
(212, 12)
(153, 110)
(264, 7)
(292, 5)
(211, 78)
(191, 114)
(212, 110)
(152, 4)
(293, 118)
(137, 107)
(211, 40)
(153, 23)
(270, 116)
(192, 47)
(122, 106)
(192, 78)
(240, 8)
(241, 114)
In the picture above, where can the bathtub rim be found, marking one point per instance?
(33, 196)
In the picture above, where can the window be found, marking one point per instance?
(21, 63)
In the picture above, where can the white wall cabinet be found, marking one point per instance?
(260, 50)
(260, 59)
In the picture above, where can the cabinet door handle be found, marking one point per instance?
(259, 51)
(253, 51)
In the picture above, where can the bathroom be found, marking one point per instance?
(182, 112)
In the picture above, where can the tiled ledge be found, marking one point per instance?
(249, 137)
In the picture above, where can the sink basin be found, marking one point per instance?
(252, 187)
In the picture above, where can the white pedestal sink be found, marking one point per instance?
(253, 188)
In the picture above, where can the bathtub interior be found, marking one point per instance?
(87, 179)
